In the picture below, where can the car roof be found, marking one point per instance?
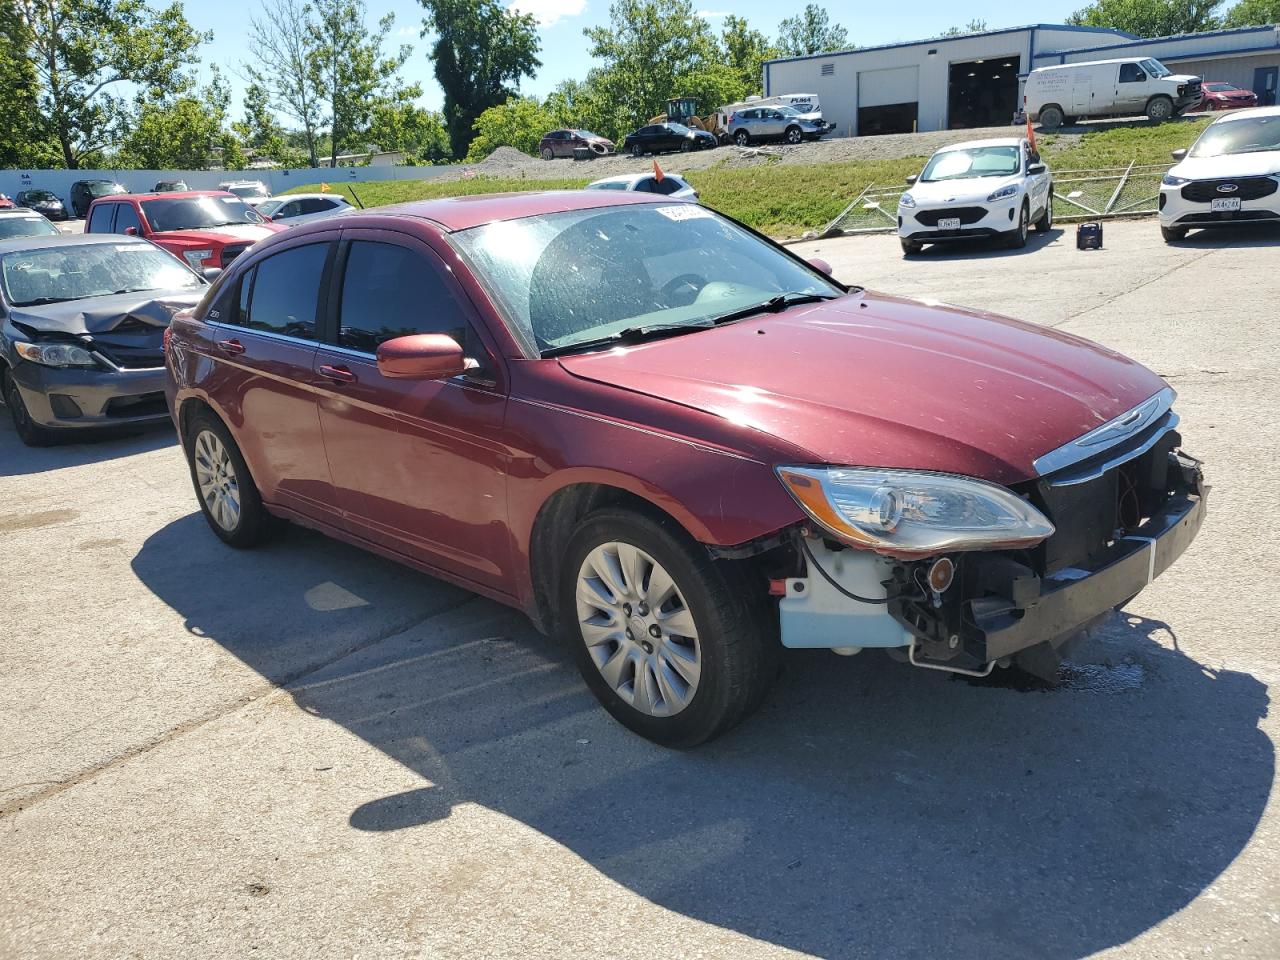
(463, 213)
(20, 212)
(308, 196)
(170, 195)
(70, 240)
(991, 142)
(1247, 114)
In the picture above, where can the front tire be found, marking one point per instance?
(1159, 109)
(637, 150)
(910, 247)
(228, 496)
(742, 138)
(29, 432)
(1017, 239)
(1173, 234)
(676, 646)
(547, 153)
(794, 135)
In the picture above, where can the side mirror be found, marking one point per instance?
(911, 180)
(421, 356)
(1180, 154)
(820, 265)
(1036, 168)
(210, 273)
(130, 231)
(277, 216)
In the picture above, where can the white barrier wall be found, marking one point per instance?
(141, 181)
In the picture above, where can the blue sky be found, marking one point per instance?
(564, 51)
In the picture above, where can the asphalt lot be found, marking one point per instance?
(306, 751)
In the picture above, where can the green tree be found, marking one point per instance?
(481, 50)
(811, 32)
(259, 130)
(83, 53)
(745, 51)
(25, 139)
(185, 132)
(518, 123)
(973, 26)
(652, 50)
(1150, 18)
(282, 39)
(1253, 13)
(402, 125)
(349, 70)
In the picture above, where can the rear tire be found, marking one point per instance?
(686, 146)
(548, 153)
(910, 247)
(1045, 223)
(1173, 234)
(29, 432)
(742, 138)
(637, 150)
(641, 663)
(229, 498)
(1051, 117)
(1159, 109)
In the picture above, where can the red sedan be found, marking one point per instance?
(1219, 95)
(677, 445)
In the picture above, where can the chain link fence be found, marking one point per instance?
(1133, 190)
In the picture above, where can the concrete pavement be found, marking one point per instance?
(305, 751)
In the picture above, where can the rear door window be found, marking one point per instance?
(100, 218)
(281, 294)
(390, 291)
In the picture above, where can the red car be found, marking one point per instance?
(205, 229)
(562, 143)
(676, 444)
(1219, 95)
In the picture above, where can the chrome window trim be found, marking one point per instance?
(223, 325)
(1111, 433)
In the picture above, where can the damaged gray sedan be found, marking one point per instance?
(82, 322)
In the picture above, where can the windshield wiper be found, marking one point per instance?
(777, 305)
(627, 335)
(41, 301)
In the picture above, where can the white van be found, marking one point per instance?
(1108, 88)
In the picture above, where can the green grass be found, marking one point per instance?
(786, 200)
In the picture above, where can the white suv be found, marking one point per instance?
(1231, 175)
(983, 188)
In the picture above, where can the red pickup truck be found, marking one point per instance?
(203, 228)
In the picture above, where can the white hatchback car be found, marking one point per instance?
(671, 185)
(983, 188)
(292, 209)
(1231, 175)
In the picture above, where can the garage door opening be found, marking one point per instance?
(887, 118)
(983, 93)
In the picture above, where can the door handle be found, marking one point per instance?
(233, 347)
(336, 374)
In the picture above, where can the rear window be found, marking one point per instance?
(11, 227)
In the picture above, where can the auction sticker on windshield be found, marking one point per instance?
(685, 211)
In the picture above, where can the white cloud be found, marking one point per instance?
(713, 14)
(549, 12)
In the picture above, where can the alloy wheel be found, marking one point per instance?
(638, 629)
(216, 477)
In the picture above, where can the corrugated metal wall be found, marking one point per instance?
(1237, 70)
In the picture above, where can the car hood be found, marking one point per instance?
(959, 191)
(103, 314)
(874, 380)
(252, 232)
(1262, 164)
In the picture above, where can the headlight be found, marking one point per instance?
(1004, 193)
(1169, 180)
(911, 513)
(56, 354)
(906, 200)
(196, 258)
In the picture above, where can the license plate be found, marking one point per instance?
(953, 223)
(1224, 203)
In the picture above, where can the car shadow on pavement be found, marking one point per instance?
(868, 810)
(1251, 237)
(986, 249)
(17, 459)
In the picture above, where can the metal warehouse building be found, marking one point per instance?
(975, 80)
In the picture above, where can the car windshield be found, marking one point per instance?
(102, 188)
(170, 186)
(584, 134)
(972, 162)
(55, 274)
(198, 213)
(1156, 69)
(248, 191)
(1242, 135)
(677, 128)
(269, 207)
(40, 195)
(35, 226)
(1220, 87)
(586, 275)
